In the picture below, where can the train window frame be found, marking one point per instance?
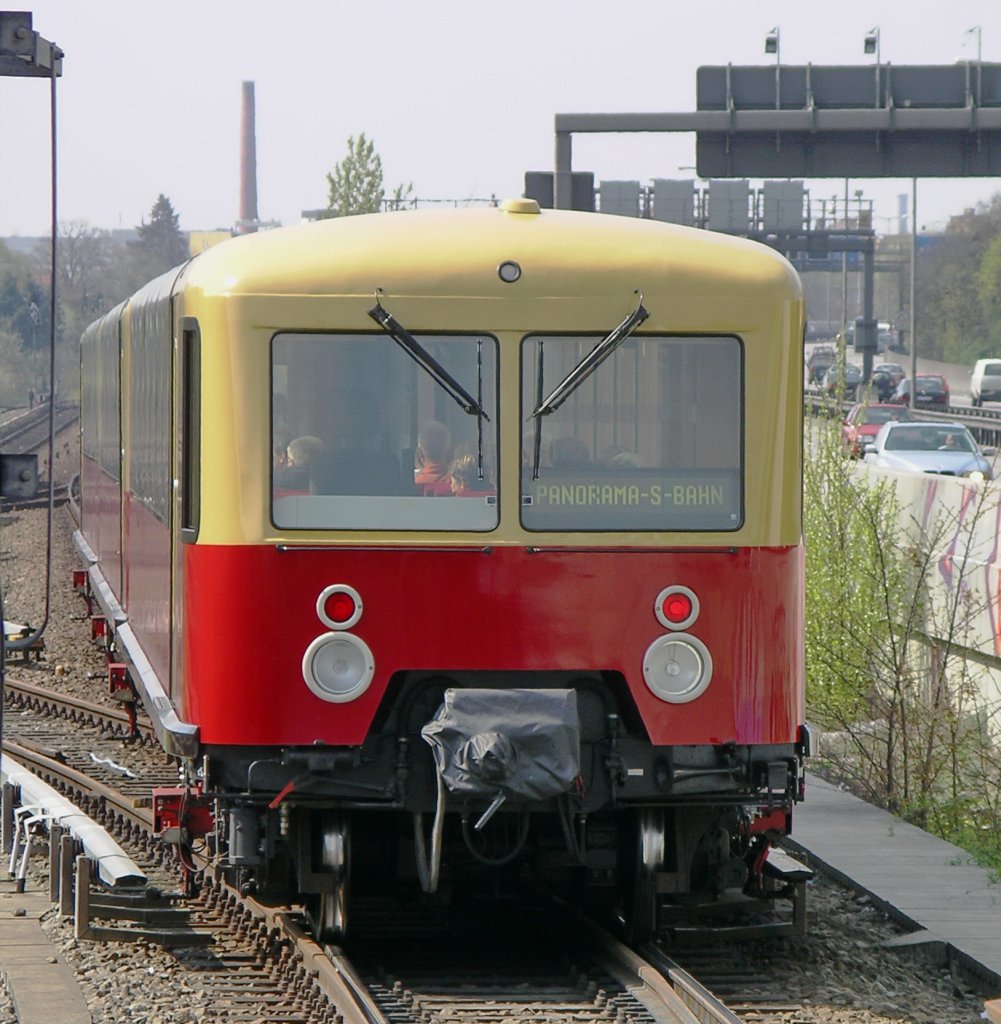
(190, 373)
(727, 486)
(101, 376)
(403, 512)
(149, 360)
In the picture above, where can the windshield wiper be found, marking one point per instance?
(592, 360)
(424, 359)
(537, 441)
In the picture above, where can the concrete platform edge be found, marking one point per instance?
(983, 975)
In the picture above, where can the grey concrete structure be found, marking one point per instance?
(924, 882)
(43, 987)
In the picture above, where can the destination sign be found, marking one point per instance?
(648, 500)
(701, 494)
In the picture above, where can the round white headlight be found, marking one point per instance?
(338, 667)
(677, 668)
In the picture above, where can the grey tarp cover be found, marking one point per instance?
(524, 744)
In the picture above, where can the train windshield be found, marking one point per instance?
(364, 437)
(652, 441)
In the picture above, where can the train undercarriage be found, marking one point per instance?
(550, 788)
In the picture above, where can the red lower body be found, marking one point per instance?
(250, 614)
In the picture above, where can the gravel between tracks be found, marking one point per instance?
(840, 972)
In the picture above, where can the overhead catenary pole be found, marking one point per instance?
(26, 54)
(914, 261)
(844, 285)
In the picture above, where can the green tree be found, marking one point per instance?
(989, 289)
(161, 239)
(356, 184)
(953, 323)
(16, 375)
(892, 655)
(24, 309)
(83, 258)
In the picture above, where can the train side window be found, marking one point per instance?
(190, 379)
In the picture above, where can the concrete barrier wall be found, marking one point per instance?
(961, 521)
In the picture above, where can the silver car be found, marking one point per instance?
(944, 448)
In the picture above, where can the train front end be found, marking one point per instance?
(489, 554)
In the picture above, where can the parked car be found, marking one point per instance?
(944, 448)
(985, 381)
(931, 389)
(862, 424)
(818, 360)
(844, 380)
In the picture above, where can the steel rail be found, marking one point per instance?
(676, 990)
(77, 709)
(115, 867)
(327, 966)
(706, 1007)
(23, 425)
(53, 771)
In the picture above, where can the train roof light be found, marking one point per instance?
(521, 205)
(509, 271)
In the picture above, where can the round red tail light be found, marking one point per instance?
(676, 607)
(339, 606)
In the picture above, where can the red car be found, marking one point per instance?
(862, 424)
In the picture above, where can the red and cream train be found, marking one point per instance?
(577, 658)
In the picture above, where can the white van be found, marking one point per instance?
(985, 381)
(887, 337)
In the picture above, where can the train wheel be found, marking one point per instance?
(327, 910)
(640, 903)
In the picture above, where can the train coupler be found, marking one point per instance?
(181, 814)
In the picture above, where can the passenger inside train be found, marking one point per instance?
(431, 460)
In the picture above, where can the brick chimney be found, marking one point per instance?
(248, 165)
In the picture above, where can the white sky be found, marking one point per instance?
(459, 96)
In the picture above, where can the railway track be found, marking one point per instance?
(477, 962)
(27, 433)
(29, 430)
(542, 962)
(257, 954)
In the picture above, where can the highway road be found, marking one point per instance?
(957, 375)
